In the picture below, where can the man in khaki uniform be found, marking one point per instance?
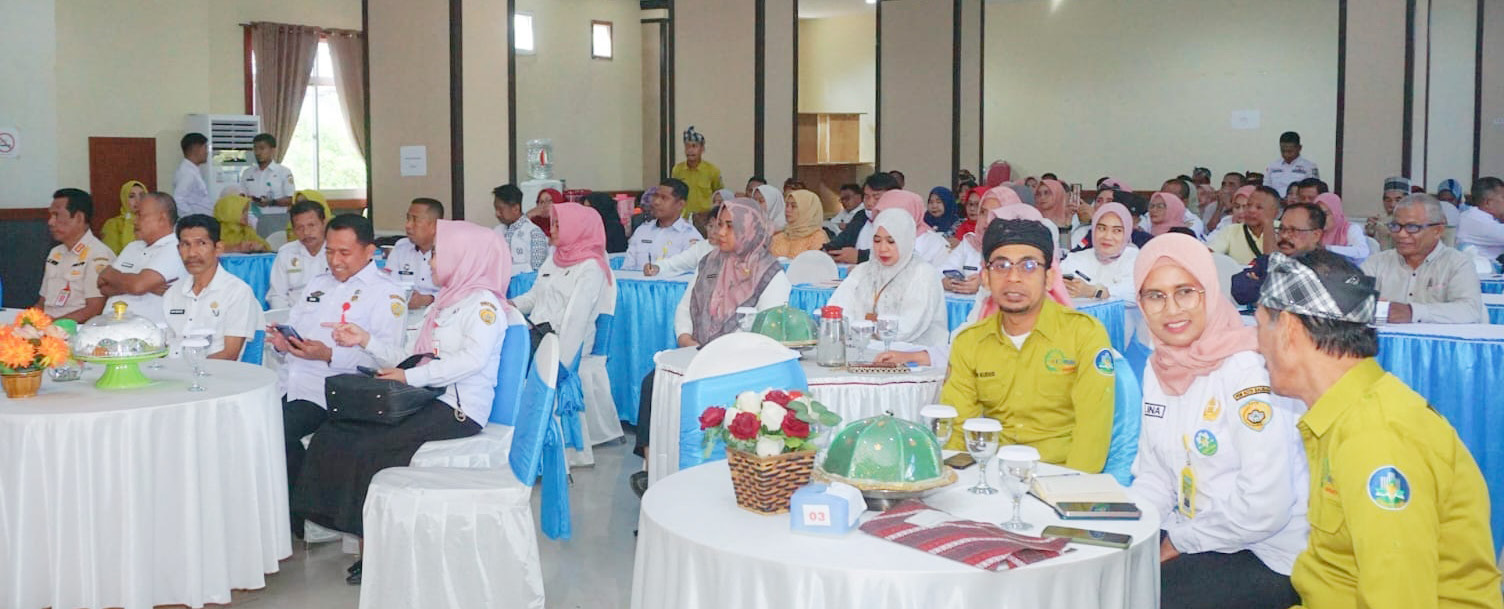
(1398, 508)
(70, 281)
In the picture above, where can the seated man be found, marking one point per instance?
(851, 208)
(408, 263)
(299, 261)
(1423, 280)
(528, 244)
(1482, 225)
(146, 267)
(1299, 232)
(854, 244)
(1395, 188)
(211, 300)
(1398, 508)
(70, 278)
(1254, 236)
(1044, 371)
(688, 261)
(668, 233)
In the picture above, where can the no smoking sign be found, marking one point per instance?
(10, 143)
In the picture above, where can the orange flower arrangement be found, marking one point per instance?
(32, 343)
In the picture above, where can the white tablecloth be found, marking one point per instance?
(696, 548)
(853, 396)
(143, 497)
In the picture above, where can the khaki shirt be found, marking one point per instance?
(71, 275)
(703, 180)
(1444, 290)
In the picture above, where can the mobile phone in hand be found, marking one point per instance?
(287, 331)
(954, 275)
(367, 370)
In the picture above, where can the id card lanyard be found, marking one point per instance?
(1186, 503)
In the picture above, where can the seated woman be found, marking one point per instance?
(567, 295)
(539, 214)
(896, 282)
(1106, 269)
(965, 258)
(940, 210)
(973, 208)
(803, 214)
(689, 259)
(235, 232)
(1342, 237)
(1219, 457)
(121, 230)
(463, 331)
(309, 195)
(616, 233)
(771, 200)
(1166, 211)
(929, 246)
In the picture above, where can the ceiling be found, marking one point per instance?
(819, 9)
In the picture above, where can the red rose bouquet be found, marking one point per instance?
(766, 424)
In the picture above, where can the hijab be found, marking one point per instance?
(901, 227)
(948, 218)
(907, 201)
(542, 221)
(807, 215)
(728, 280)
(1005, 197)
(467, 258)
(773, 206)
(580, 236)
(1452, 186)
(997, 173)
(1113, 183)
(726, 194)
(554, 194)
(616, 235)
(1336, 219)
(1174, 213)
(1122, 213)
(316, 197)
(1225, 334)
(120, 230)
(229, 210)
(1052, 206)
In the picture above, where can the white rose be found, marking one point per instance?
(747, 401)
(769, 446)
(772, 416)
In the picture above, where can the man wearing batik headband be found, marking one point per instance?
(702, 177)
(1398, 508)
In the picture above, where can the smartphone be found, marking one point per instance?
(1070, 510)
(961, 461)
(367, 370)
(1105, 539)
(1076, 190)
(287, 331)
(954, 275)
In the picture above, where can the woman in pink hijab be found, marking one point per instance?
(966, 257)
(1340, 236)
(1166, 211)
(575, 284)
(1217, 447)
(1051, 201)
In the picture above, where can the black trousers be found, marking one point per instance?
(645, 416)
(1213, 580)
(299, 418)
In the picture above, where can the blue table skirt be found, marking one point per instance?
(645, 326)
(1493, 286)
(254, 269)
(1496, 315)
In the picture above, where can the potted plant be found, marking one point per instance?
(770, 444)
(29, 345)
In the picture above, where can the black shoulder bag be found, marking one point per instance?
(358, 397)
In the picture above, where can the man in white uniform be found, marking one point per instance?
(1423, 279)
(269, 183)
(375, 303)
(1291, 167)
(528, 244)
(1482, 225)
(211, 299)
(70, 279)
(188, 187)
(408, 263)
(146, 267)
(668, 234)
(299, 261)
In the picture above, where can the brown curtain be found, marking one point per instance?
(284, 63)
(345, 49)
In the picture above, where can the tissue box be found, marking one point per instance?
(826, 509)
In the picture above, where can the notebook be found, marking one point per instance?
(1085, 496)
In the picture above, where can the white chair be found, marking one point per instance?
(601, 421)
(813, 266)
(1226, 268)
(269, 356)
(277, 240)
(489, 448)
(1373, 245)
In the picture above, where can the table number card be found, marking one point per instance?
(831, 509)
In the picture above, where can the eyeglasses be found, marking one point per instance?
(1286, 229)
(1002, 266)
(1395, 227)
(1186, 297)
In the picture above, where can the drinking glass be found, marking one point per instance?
(208, 337)
(195, 349)
(982, 442)
(167, 338)
(940, 420)
(887, 330)
(857, 339)
(745, 317)
(1018, 464)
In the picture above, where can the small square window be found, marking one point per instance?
(600, 40)
(522, 26)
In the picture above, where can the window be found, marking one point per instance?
(321, 153)
(522, 26)
(600, 40)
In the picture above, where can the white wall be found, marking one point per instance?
(1454, 40)
(838, 70)
(1144, 90)
(28, 102)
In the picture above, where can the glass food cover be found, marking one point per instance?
(118, 333)
(886, 457)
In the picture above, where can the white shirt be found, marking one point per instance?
(931, 247)
(917, 299)
(1280, 175)
(274, 182)
(1443, 290)
(161, 257)
(226, 307)
(1481, 230)
(528, 244)
(568, 300)
(651, 242)
(190, 191)
(1240, 444)
(408, 265)
(1116, 276)
(1356, 249)
(686, 261)
(963, 258)
(837, 223)
(467, 340)
(376, 306)
(293, 268)
(775, 294)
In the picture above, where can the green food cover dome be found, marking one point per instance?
(886, 453)
(786, 324)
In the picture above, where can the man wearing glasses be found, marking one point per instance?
(1299, 232)
(1042, 370)
(1423, 280)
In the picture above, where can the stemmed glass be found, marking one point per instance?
(982, 442)
(156, 364)
(887, 330)
(745, 317)
(195, 349)
(857, 339)
(940, 420)
(1019, 463)
(208, 338)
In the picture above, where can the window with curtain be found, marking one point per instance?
(322, 153)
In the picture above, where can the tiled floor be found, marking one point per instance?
(593, 570)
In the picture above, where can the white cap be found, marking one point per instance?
(982, 424)
(938, 411)
(1018, 452)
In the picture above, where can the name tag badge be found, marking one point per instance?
(62, 296)
(311, 298)
(969, 268)
(127, 265)
(177, 312)
(647, 241)
(1154, 410)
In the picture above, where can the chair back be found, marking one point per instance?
(813, 266)
(537, 442)
(1128, 402)
(1226, 268)
(254, 348)
(515, 346)
(1373, 245)
(731, 364)
(604, 317)
(276, 240)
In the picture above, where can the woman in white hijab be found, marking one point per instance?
(771, 200)
(894, 282)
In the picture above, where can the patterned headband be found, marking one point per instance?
(693, 137)
(1294, 287)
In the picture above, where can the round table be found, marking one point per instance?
(644, 326)
(1492, 284)
(696, 548)
(1494, 304)
(144, 497)
(853, 396)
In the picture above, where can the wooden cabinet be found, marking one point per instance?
(829, 154)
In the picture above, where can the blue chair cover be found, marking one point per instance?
(699, 394)
(538, 450)
(254, 269)
(1127, 405)
(571, 404)
(521, 283)
(603, 324)
(515, 347)
(252, 351)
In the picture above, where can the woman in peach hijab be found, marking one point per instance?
(803, 213)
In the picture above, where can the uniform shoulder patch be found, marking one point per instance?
(1251, 391)
(1255, 415)
(398, 309)
(1388, 488)
(1103, 362)
(488, 316)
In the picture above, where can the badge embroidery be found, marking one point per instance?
(1206, 443)
(396, 309)
(1328, 485)
(1212, 411)
(1154, 410)
(488, 316)
(1250, 391)
(1103, 362)
(1255, 415)
(1388, 488)
(1055, 361)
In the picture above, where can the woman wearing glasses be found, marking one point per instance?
(896, 283)
(1219, 458)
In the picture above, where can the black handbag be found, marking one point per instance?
(367, 399)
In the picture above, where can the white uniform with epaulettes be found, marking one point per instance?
(226, 307)
(71, 275)
(467, 345)
(293, 268)
(376, 305)
(408, 265)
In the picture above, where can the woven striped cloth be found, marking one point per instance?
(979, 544)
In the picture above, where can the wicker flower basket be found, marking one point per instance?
(23, 385)
(765, 484)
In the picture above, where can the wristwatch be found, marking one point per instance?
(1098, 294)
